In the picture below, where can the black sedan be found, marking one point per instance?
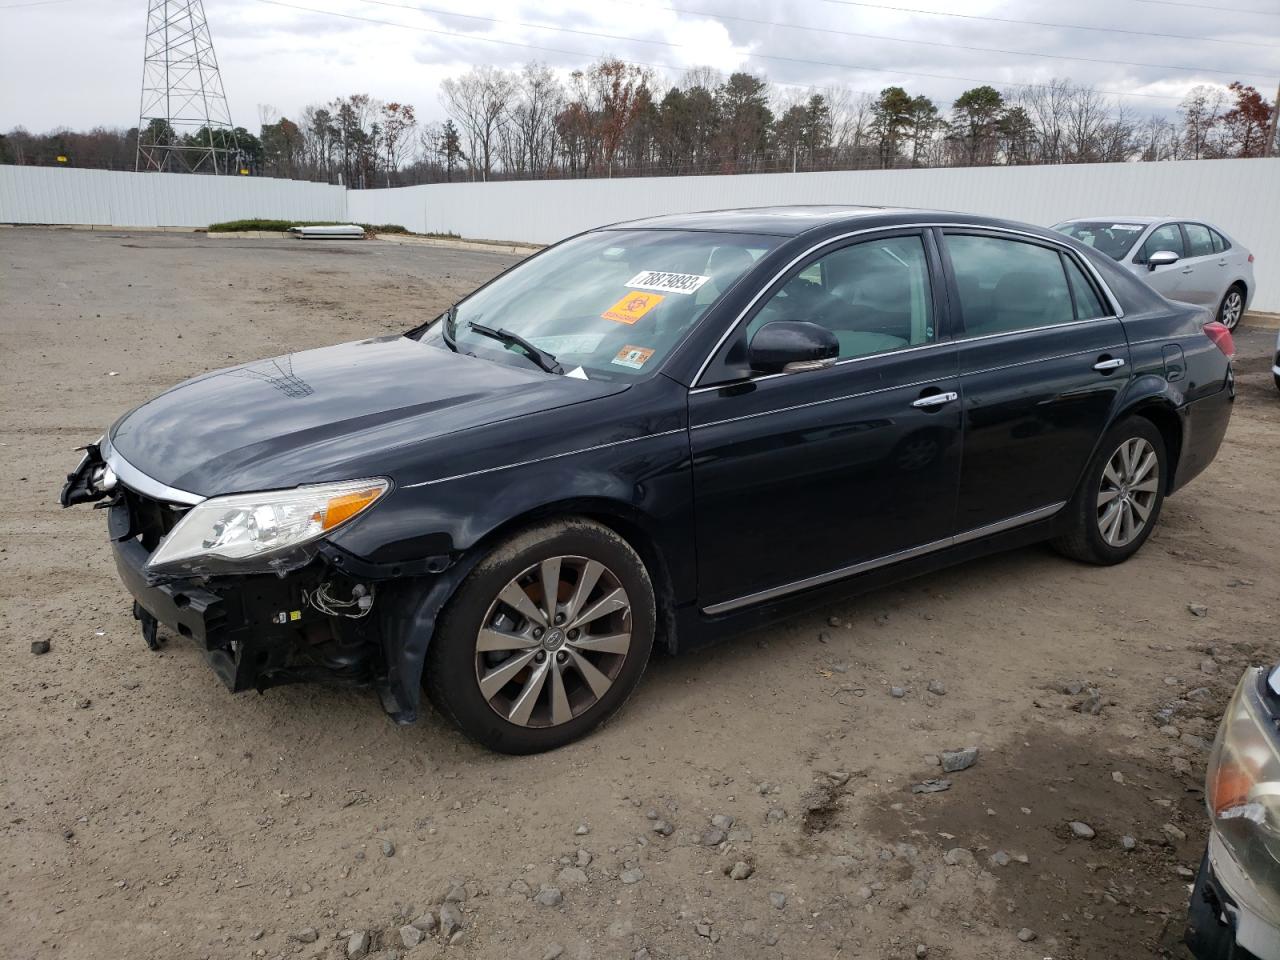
(658, 432)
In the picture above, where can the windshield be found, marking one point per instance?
(1111, 237)
(607, 305)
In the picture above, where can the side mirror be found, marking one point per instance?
(787, 346)
(1161, 258)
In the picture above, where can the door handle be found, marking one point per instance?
(1114, 363)
(1188, 269)
(935, 400)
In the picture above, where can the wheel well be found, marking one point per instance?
(626, 523)
(1166, 420)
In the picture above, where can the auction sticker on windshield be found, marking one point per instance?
(633, 357)
(667, 282)
(633, 306)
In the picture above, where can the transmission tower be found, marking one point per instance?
(184, 125)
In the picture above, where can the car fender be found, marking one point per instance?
(622, 486)
(1154, 397)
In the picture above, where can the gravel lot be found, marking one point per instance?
(149, 813)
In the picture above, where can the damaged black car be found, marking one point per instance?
(653, 434)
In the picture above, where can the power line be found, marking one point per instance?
(665, 43)
(1042, 23)
(929, 43)
(1209, 6)
(33, 3)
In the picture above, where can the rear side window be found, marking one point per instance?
(1199, 240)
(1168, 237)
(1220, 243)
(1008, 285)
(1088, 303)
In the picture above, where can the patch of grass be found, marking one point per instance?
(280, 226)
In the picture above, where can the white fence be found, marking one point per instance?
(1242, 196)
(110, 197)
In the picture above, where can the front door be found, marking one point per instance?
(1169, 279)
(799, 477)
(1043, 361)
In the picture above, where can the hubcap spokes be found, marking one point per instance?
(553, 641)
(1231, 310)
(1127, 494)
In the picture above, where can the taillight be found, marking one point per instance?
(1251, 258)
(1221, 337)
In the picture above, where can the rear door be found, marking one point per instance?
(1204, 277)
(1042, 359)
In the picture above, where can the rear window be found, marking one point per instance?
(1111, 237)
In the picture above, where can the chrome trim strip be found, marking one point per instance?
(1117, 314)
(977, 533)
(811, 403)
(552, 456)
(136, 480)
(900, 386)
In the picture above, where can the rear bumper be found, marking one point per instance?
(1204, 424)
(1220, 925)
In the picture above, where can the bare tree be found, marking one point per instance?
(479, 102)
(398, 121)
(530, 134)
(1201, 112)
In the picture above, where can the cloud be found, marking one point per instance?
(79, 64)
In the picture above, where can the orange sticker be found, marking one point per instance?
(633, 357)
(633, 306)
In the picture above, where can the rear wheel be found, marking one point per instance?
(545, 639)
(1232, 308)
(1120, 497)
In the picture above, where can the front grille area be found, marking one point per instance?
(151, 519)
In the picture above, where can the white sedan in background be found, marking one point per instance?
(1182, 259)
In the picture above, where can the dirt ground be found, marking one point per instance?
(149, 813)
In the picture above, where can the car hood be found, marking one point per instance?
(342, 412)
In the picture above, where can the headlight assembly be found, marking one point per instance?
(259, 530)
(1242, 788)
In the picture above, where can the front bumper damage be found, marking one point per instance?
(262, 630)
(1222, 924)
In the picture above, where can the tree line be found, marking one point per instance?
(619, 119)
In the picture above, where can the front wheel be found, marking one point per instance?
(1231, 309)
(1120, 497)
(544, 639)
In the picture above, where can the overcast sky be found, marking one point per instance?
(78, 63)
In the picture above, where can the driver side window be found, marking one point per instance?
(874, 296)
(1168, 237)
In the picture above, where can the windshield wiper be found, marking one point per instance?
(539, 356)
(446, 333)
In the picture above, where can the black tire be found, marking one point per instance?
(1083, 539)
(1231, 309)
(450, 676)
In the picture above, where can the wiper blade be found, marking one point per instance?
(539, 356)
(446, 331)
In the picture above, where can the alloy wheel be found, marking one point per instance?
(1128, 491)
(1232, 307)
(553, 641)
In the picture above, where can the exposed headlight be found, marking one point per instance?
(254, 527)
(1242, 788)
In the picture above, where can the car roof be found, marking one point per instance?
(1120, 219)
(793, 220)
